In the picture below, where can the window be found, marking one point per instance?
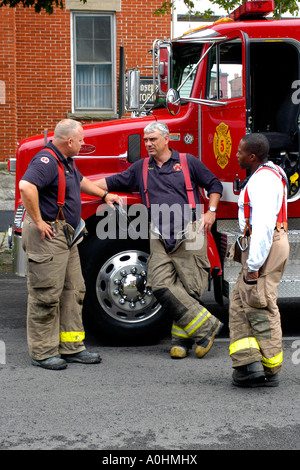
(225, 78)
(94, 58)
(184, 59)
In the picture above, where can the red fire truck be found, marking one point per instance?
(211, 86)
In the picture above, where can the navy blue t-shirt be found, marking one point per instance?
(42, 171)
(166, 184)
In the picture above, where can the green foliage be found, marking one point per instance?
(167, 6)
(281, 6)
(164, 9)
(39, 5)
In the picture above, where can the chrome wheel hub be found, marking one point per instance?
(122, 289)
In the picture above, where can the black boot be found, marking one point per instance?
(250, 375)
(53, 363)
(272, 380)
(84, 357)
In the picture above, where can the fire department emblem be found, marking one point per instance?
(222, 144)
(177, 167)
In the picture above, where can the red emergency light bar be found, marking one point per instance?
(253, 10)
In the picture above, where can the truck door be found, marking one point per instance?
(222, 126)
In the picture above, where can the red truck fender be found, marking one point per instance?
(213, 255)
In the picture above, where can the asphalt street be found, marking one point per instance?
(139, 399)
(6, 218)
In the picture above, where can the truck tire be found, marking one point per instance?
(118, 305)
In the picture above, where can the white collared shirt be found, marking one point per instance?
(265, 191)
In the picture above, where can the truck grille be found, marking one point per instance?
(19, 215)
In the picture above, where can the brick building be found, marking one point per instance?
(67, 64)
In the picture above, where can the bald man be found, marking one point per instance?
(56, 287)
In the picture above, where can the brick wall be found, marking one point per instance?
(138, 28)
(35, 64)
(8, 97)
(43, 69)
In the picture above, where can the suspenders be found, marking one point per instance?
(282, 216)
(211, 245)
(145, 177)
(61, 185)
(186, 175)
(187, 179)
(61, 201)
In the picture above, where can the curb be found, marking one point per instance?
(4, 241)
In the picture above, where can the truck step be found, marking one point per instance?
(290, 282)
(289, 285)
(294, 240)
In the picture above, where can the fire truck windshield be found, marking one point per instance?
(185, 56)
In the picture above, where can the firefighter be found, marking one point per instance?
(50, 190)
(178, 265)
(254, 317)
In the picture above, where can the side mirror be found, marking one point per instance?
(133, 93)
(173, 101)
(164, 67)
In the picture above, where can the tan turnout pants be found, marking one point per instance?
(178, 279)
(254, 317)
(55, 294)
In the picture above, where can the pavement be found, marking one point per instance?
(7, 203)
(6, 218)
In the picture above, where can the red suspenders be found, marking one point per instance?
(211, 245)
(187, 180)
(186, 175)
(282, 216)
(61, 200)
(61, 185)
(145, 177)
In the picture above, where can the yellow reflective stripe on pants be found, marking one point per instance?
(176, 331)
(244, 343)
(197, 321)
(273, 361)
(71, 336)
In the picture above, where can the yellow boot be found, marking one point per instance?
(178, 352)
(204, 346)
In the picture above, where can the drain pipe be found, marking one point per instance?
(45, 136)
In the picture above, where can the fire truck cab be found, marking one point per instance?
(212, 85)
